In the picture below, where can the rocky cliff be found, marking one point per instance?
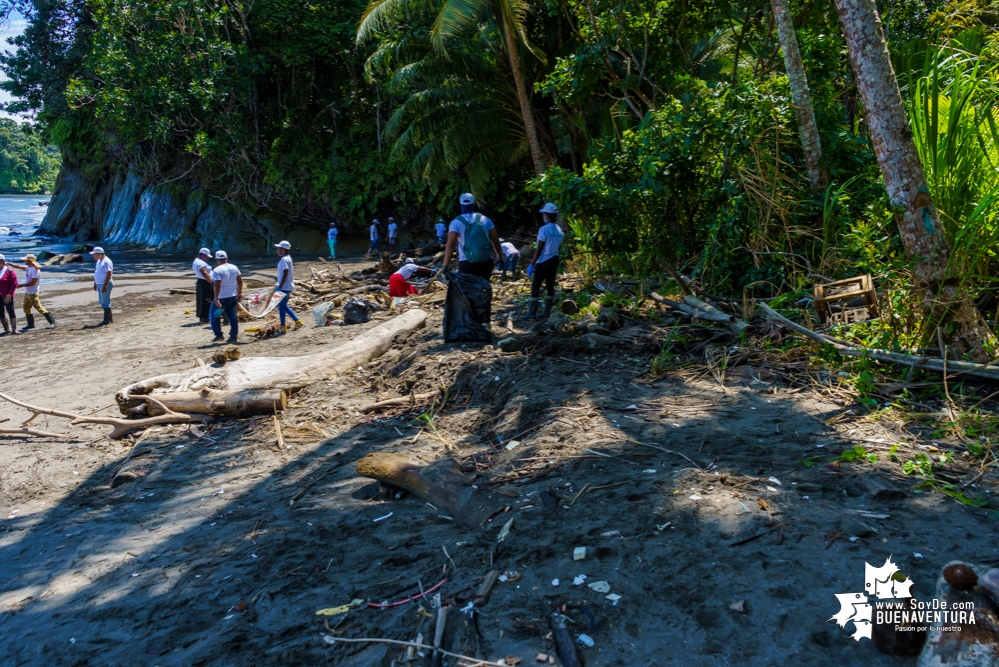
(122, 210)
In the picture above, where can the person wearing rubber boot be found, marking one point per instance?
(228, 290)
(545, 262)
(32, 276)
(8, 285)
(477, 242)
(286, 284)
(103, 283)
(204, 292)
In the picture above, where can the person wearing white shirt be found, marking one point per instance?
(475, 238)
(393, 232)
(545, 262)
(441, 230)
(228, 290)
(373, 232)
(103, 283)
(203, 288)
(286, 284)
(331, 238)
(32, 276)
(399, 281)
(511, 258)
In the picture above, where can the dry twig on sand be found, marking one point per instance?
(121, 426)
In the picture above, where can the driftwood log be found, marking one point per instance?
(230, 403)
(441, 484)
(121, 426)
(951, 368)
(698, 309)
(254, 373)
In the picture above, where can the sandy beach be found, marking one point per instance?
(224, 549)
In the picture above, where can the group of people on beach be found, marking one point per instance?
(479, 248)
(8, 286)
(219, 291)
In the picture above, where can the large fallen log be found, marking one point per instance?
(441, 484)
(698, 309)
(252, 373)
(951, 368)
(230, 403)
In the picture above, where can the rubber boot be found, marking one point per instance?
(13, 327)
(549, 302)
(6, 327)
(107, 318)
(30, 324)
(532, 308)
(110, 316)
(50, 320)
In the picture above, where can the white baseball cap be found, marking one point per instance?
(391, 219)
(549, 208)
(205, 251)
(283, 244)
(220, 254)
(467, 198)
(409, 260)
(97, 251)
(2, 258)
(375, 221)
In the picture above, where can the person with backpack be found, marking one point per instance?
(545, 262)
(476, 240)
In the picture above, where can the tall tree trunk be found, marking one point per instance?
(525, 101)
(943, 301)
(801, 96)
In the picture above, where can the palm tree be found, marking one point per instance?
(457, 18)
(460, 111)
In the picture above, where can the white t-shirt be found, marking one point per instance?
(285, 264)
(392, 228)
(458, 225)
(226, 274)
(198, 265)
(331, 234)
(509, 249)
(552, 235)
(374, 233)
(441, 230)
(29, 273)
(102, 269)
(407, 270)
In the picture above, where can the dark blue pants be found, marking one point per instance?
(230, 307)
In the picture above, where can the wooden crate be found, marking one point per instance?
(846, 301)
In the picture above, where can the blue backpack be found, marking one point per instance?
(477, 246)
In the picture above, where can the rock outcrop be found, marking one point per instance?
(120, 210)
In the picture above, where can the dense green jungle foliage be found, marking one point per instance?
(664, 129)
(28, 164)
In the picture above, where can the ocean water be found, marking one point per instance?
(20, 216)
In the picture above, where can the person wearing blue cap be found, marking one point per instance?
(545, 262)
(204, 292)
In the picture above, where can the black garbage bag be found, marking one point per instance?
(466, 309)
(358, 311)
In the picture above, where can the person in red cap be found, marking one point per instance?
(8, 285)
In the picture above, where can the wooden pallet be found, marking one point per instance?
(846, 301)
